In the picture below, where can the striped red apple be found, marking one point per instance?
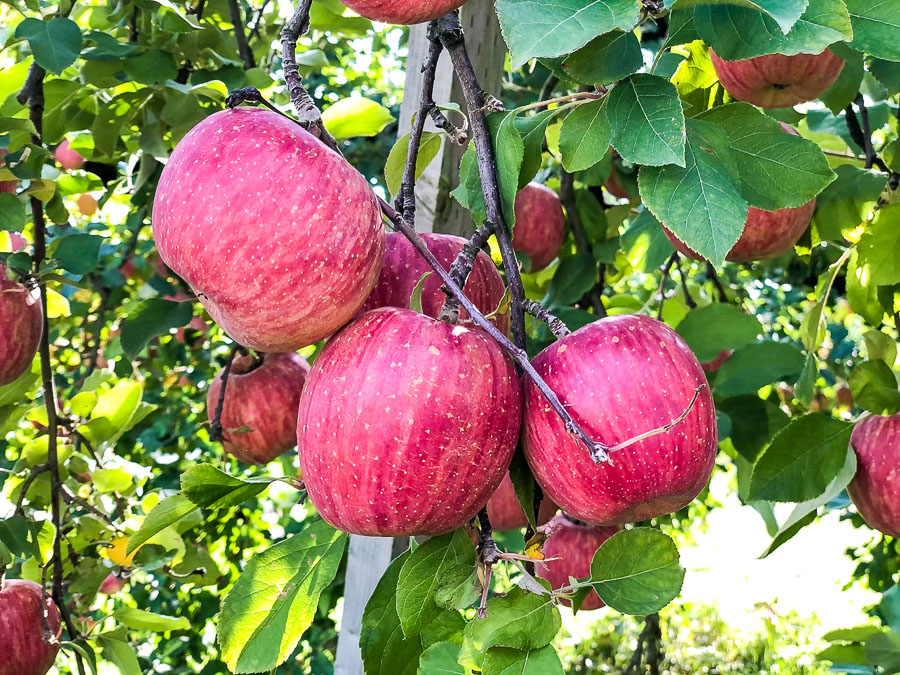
(875, 489)
(24, 649)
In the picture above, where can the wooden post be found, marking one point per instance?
(436, 211)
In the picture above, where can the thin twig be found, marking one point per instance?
(567, 197)
(488, 555)
(26, 485)
(664, 428)
(215, 429)
(688, 299)
(240, 36)
(862, 139)
(569, 98)
(554, 323)
(711, 273)
(662, 283)
(460, 270)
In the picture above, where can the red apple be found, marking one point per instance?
(24, 648)
(22, 322)
(573, 545)
(612, 184)
(403, 12)
(8, 186)
(620, 377)
(265, 400)
(17, 241)
(875, 489)
(716, 363)
(403, 268)
(407, 425)
(112, 584)
(68, 158)
(87, 204)
(280, 238)
(505, 512)
(776, 80)
(540, 226)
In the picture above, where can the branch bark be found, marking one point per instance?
(567, 197)
(240, 35)
(215, 429)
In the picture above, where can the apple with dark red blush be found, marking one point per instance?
(403, 12)
(540, 225)
(24, 648)
(505, 512)
(875, 489)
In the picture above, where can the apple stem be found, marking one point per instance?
(711, 273)
(660, 430)
(556, 325)
(688, 299)
(215, 429)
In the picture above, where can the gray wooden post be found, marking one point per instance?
(436, 211)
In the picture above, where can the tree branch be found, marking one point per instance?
(556, 325)
(240, 36)
(711, 273)
(215, 429)
(688, 300)
(863, 138)
(460, 270)
(567, 197)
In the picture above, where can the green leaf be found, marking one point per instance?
(55, 43)
(152, 67)
(396, 161)
(886, 72)
(846, 202)
(115, 412)
(812, 330)
(803, 458)
(876, 25)
(700, 203)
(533, 130)
(116, 650)
(356, 116)
(879, 245)
(533, 28)
(883, 651)
(777, 169)
(274, 600)
(506, 661)
(77, 253)
(647, 121)
(415, 298)
(208, 487)
(574, 277)
(168, 512)
(151, 318)
(509, 151)
(637, 571)
(12, 213)
(604, 60)
(468, 193)
(523, 484)
(519, 619)
(753, 423)
(757, 365)
(440, 659)
(438, 561)
(111, 480)
(584, 137)
(862, 295)
(711, 329)
(880, 346)
(138, 619)
(840, 94)
(645, 244)
(784, 12)
(874, 388)
(801, 514)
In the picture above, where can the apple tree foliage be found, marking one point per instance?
(227, 567)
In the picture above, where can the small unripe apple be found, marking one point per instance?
(23, 647)
(505, 512)
(280, 238)
(875, 489)
(573, 545)
(620, 377)
(112, 584)
(68, 158)
(87, 204)
(403, 12)
(540, 225)
(259, 415)
(22, 324)
(407, 425)
(716, 363)
(776, 80)
(403, 268)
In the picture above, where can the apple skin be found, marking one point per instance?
(22, 645)
(403, 268)
(505, 512)
(619, 377)
(87, 204)
(112, 584)
(264, 399)
(407, 425)
(403, 12)
(875, 489)
(574, 546)
(540, 226)
(23, 323)
(280, 238)
(68, 158)
(776, 80)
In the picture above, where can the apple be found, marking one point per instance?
(7, 186)
(407, 424)
(23, 323)
(403, 268)
(23, 646)
(403, 12)
(10, 242)
(619, 377)
(87, 204)
(505, 512)
(262, 399)
(112, 584)
(875, 489)
(776, 80)
(843, 395)
(280, 238)
(540, 226)
(573, 545)
(716, 363)
(613, 185)
(68, 158)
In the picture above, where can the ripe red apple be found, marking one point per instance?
(264, 399)
(112, 584)
(22, 322)
(776, 80)
(280, 238)
(23, 648)
(87, 204)
(68, 158)
(620, 377)
(573, 545)
(875, 489)
(505, 512)
(716, 363)
(540, 226)
(407, 425)
(612, 184)
(403, 268)
(403, 12)
(8, 186)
